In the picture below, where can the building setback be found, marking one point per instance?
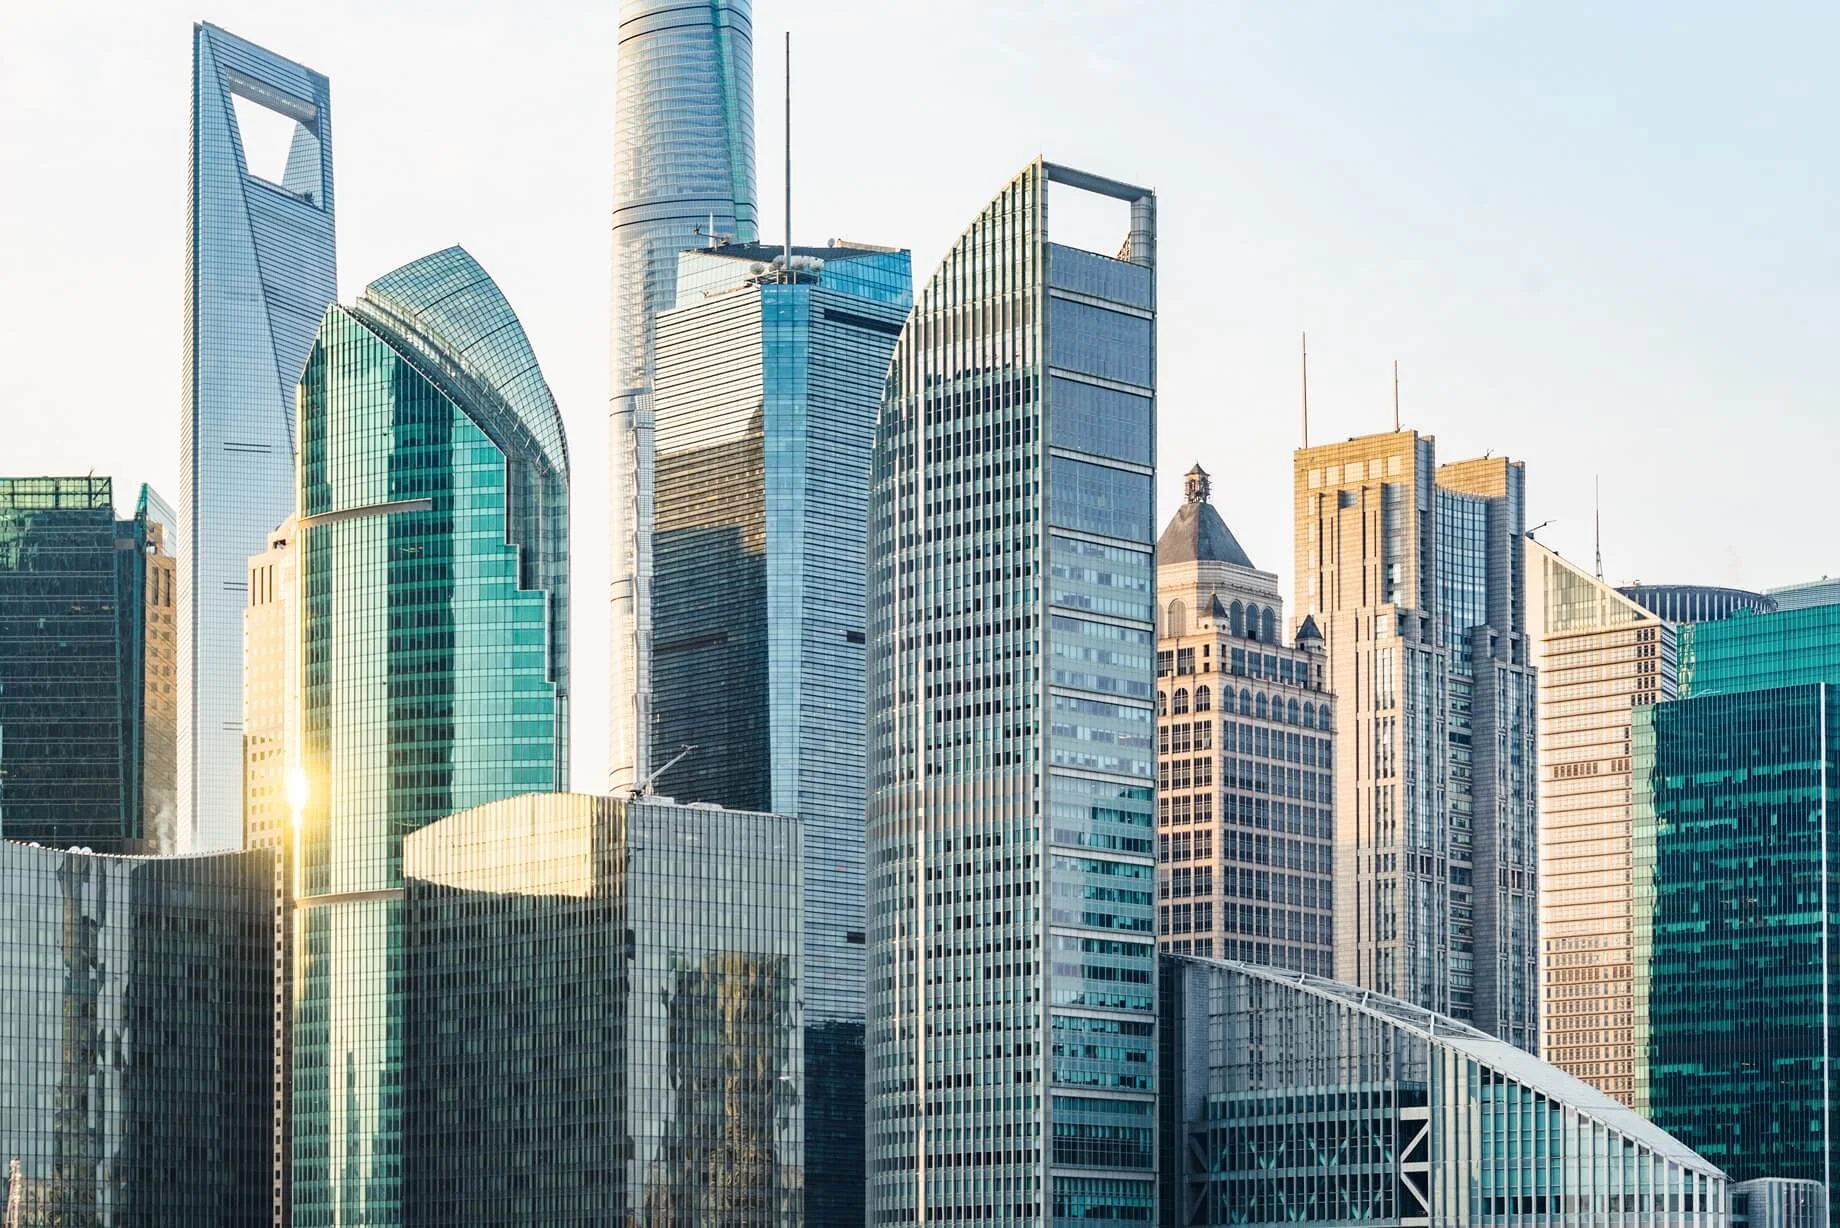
(135, 1092)
(1413, 574)
(766, 396)
(259, 273)
(603, 1016)
(1292, 1099)
(1737, 802)
(1010, 755)
(1244, 756)
(1599, 655)
(86, 666)
(432, 556)
(683, 166)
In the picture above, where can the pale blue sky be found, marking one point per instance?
(1600, 238)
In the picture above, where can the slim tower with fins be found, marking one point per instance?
(259, 273)
(683, 166)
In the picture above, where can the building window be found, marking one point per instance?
(1204, 699)
(1179, 704)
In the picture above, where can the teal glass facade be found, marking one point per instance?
(433, 579)
(259, 273)
(1736, 891)
(765, 401)
(1010, 882)
(1289, 1099)
(137, 1031)
(77, 767)
(603, 1008)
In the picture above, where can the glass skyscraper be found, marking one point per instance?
(603, 1007)
(136, 1021)
(259, 273)
(86, 681)
(766, 397)
(683, 167)
(1737, 801)
(432, 563)
(1414, 573)
(1291, 1099)
(1011, 763)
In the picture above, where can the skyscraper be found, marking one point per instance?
(259, 273)
(1244, 741)
(766, 398)
(603, 1009)
(1599, 655)
(1413, 573)
(432, 556)
(271, 687)
(135, 1090)
(1737, 831)
(683, 166)
(1010, 756)
(86, 683)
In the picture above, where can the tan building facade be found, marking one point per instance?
(271, 626)
(1599, 654)
(1413, 575)
(1244, 756)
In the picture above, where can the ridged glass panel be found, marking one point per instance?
(260, 272)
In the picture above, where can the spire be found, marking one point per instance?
(1196, 487)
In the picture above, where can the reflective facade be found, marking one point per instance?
(1245, 756)
(1811, 592)
(271, 687)
(1010, 756)
(259, 273)
(1290, 1099)
(1736, 890)
(1413, 573)
(86, 666)
(766, 398)
(1777, 1202)
(603, 1010)
(1599, 655)
(135, 1088)
(432, 556)
(683, 164)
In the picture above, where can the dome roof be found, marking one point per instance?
(1196, 533)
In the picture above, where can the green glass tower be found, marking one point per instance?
(86, 674)
(433, 495)
(1737, 796)
(1011, 761)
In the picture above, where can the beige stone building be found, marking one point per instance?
(1599, 654)
(1244, 756)
(1413, 574)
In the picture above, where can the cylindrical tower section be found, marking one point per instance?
(683, 167)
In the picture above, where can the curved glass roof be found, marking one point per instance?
(447, 309)
(1510, 1060)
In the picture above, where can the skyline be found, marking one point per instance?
(1648, 259)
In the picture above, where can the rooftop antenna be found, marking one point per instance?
(1306, 389)
(1597, 517)
(1395, 396)
(789, 155)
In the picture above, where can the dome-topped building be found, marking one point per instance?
(1234, 701)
